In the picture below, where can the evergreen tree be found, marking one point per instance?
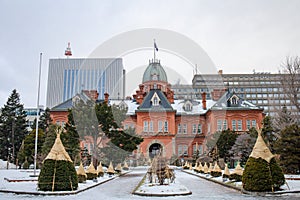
(70, 139)
(28, 147)
(44, 121)
(50, 137)
(268, 133)
(225, 143)
(12, 127)
(288, 147)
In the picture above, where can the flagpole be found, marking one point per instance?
(154, 48)
(37, 115)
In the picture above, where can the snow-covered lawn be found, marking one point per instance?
(290, 186)
(23, 182)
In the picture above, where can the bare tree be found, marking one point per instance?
(290, 82)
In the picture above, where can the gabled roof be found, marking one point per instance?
(64, 106)
(148, 104)
(231, 101)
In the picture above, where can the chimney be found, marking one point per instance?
(106, 95)
(141, 86)
(216, 94)
(220, 72)
(204, 100)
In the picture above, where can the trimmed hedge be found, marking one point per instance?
(81, 178)
(261, 176)
(91, 176)
(235, 177)
(215, 174)
(62, 173)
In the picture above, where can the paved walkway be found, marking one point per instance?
(121, 188)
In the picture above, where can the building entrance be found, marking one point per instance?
(154, 150)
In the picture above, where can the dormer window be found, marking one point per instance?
(155, 100)
(188, 106)
(234, 100)
(154, 77)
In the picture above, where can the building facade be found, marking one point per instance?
(178, 127)
(262, 89)
(69, 76)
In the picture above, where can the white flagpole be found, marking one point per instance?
(154, 48)
(37, 115)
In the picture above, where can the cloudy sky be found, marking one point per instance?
(238, 36)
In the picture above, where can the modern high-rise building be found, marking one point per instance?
(69, 76)
(262, 89)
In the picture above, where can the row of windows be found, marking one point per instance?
(163, 126)
(196, 128)
(182, 150)
(235, 124)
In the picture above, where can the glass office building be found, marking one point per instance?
(68, 76)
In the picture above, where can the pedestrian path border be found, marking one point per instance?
(62, 193)
(240, 189)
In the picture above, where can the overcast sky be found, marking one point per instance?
(238, 36)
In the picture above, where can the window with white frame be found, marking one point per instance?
(151, 126)
(219, 124)
(179, 128)
(194, 128)
(184, 129)
(166, 129)
(200, 149)
(180, 150)
(185, 150)
(233, 122)
(248, 124)
(199, 131)
(254, 123)
(239, 125)
(225, 126)
(145, 129)
(160, 124)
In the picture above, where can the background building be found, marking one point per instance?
(69, 76)
(31, 116)
(262, 89)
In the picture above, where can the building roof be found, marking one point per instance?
(68, 104)
(155, 72)
(149, 104)
(231, 101)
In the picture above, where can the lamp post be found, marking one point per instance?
(37, 115)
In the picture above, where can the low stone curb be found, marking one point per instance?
(241, 189)
(58, 193)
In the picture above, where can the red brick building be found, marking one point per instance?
(175, 126)
(178, 127)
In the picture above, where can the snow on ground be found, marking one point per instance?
(291, 185)
(30, 185)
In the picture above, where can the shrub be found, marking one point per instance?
(91, 176)
(26, 165)
(261, 176)
(235, 177)
(215, 174)
(81, 178)
(61, 172)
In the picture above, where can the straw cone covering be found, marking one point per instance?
(100, 168)
(91, 169)
(238, 169)
(216, 168)
(260, 149)
(226, 170)
(125, 164)
(58, 151)
(119, 167)
(80, 170)
(210, 169)
(205, 168)
(110, 168)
